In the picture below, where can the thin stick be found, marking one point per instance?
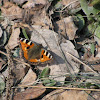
(82, 62)
(4, 53)
(60, 88)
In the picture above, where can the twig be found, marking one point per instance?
(60, 88)
(4, 53)
(10, 78)
(82, 62)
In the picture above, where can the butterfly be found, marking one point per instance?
(34, 53)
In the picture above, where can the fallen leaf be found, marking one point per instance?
(33, 3)
(69, 47)
(12, 11)
(36, 14)
(96, 67)
(13, 42)
(20, 71)
(29, 5)
(91, 60)
(29, 78)
(41, 2)
(71, 4)
(66, 27)
(95, 95)
(29, 94)
(19, 1)
(58, 66)
(40, 18)
(66, 95)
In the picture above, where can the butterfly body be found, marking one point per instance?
(34, 53)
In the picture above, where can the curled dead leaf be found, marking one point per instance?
(29, 94)
(66, 27)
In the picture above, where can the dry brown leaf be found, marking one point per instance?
(29, 5)
(40, 1)
(40, 17)
(11, 11)
(66, 27)
(13, 41)
(71, 4)
(95, 95)
(6, 24)
(33, 3)
(35, 13)
(66, 95)
(20, 71)
(96, 67)
(29, 78)
(94, 61)
(69, 47)
(19, 1)
(58, 66)
(29, 94)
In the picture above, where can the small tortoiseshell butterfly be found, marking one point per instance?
(34, 53)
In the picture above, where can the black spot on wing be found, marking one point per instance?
(46, 53)
(27, 41)
(43, 51)
(28, 47)
(50, 56)
(42, 56)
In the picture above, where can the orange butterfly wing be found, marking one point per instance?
(44, 55)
